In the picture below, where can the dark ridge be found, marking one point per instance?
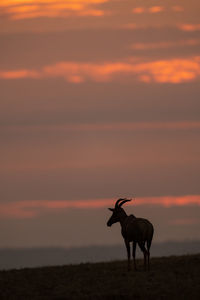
(169, 278)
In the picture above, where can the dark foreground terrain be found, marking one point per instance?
(169, 278)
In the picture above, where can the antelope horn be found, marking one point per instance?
(124, 201)
(118, 201)
(121, 200)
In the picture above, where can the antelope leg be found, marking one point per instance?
(128, 254)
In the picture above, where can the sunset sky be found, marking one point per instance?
(100, 99)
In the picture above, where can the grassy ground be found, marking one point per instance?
(169, 278)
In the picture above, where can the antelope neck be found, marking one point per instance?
(122, 218)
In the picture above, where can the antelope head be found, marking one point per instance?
(117, 211)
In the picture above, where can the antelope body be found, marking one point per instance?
(137, 230)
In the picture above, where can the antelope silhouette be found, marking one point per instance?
(137, 230)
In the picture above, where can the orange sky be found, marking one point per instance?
(99, 99)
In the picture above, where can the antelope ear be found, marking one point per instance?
(111, 209)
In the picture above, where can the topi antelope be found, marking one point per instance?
(136, 230)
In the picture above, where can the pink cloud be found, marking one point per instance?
(174, 71)
(185, 222)
(30, 209)
(18, 74)
(30, 9)
(149, 10)
(165, 45)
(138, 10)
(177, 8)
(112, 126)
(156, 9)
(189, 27)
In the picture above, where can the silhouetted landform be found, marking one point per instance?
(169, 278)
(36, 257)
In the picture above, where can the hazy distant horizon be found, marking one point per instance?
(51, 256)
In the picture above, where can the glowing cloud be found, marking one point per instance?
(156, 9)
(189, 27)
(151, 10)
(161, 71)
(19, 74)
(30, 209)
(185, 222)
(29, 9)
(112, 126)
(138, 10)
(177, 8)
